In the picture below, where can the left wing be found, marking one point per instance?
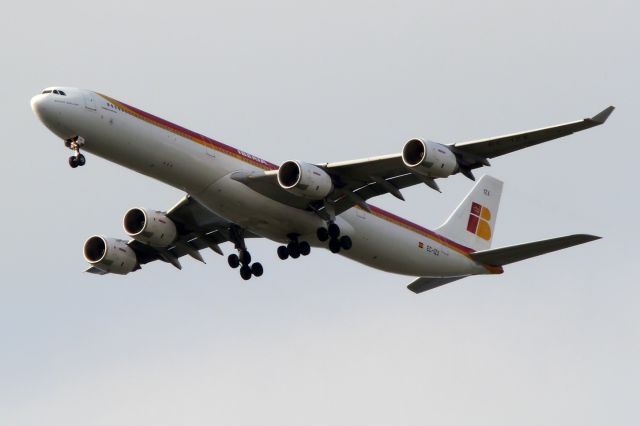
(353, 185)
(500, 145)
(356, 181)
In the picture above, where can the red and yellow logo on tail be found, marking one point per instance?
(479, 221)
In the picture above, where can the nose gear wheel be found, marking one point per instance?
(74, 144)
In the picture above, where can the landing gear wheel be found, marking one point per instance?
(73, 162)
(256, 269)
(334, 230)
(322, 234)
(294, 249)
(81, 160)
(334, 245)
(245, 272)
(345, 242)
(304, 248)
(283, 252)
(234, 260)
(245, 257)
(67, 143)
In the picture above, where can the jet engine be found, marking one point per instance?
(429, 159)
(110, 255)
(150, 227)
(304, 180)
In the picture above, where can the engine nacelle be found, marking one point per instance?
(429, 159)
(110, 255)
(150, 227)
(305, 180)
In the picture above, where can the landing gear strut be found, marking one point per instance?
(243, 258)
(74, 144)
(336, 242)
(294, 249)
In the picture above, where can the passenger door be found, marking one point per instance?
(90, 101)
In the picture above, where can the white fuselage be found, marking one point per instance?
(201, 167)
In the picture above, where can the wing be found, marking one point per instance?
(198, 229)
(473, 151)
(356, 181)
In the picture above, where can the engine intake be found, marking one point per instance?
(110, 255)
(429, 159)
(304, 180)
(150, 227)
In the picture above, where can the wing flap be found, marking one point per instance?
(506, 255)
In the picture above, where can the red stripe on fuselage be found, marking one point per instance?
(197, 137)
(419, 229)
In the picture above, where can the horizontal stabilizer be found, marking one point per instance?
(426, 283)
(511, 254)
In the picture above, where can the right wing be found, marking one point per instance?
(198, 228)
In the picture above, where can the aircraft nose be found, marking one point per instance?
(39, 106)
(53, 113)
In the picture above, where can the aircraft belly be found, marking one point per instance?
(259, 214)
(376, 242)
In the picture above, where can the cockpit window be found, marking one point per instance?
(54, 91)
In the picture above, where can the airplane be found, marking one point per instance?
(233, 196)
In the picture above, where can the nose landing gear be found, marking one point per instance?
(74, 144)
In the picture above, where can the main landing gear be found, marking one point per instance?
(74, 144)
(243, 258)
(332, 234)
(294, 249)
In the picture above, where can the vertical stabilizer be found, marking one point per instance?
(473, 222)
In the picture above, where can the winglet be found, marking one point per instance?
(601, 117)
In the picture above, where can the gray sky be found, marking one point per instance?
(323, 340)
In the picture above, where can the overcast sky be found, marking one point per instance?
(323, 340)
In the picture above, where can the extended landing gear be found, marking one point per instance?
(336, 242)
(243, 258)
(74, 144)
(294, 249)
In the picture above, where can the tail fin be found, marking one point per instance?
(472, 223)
